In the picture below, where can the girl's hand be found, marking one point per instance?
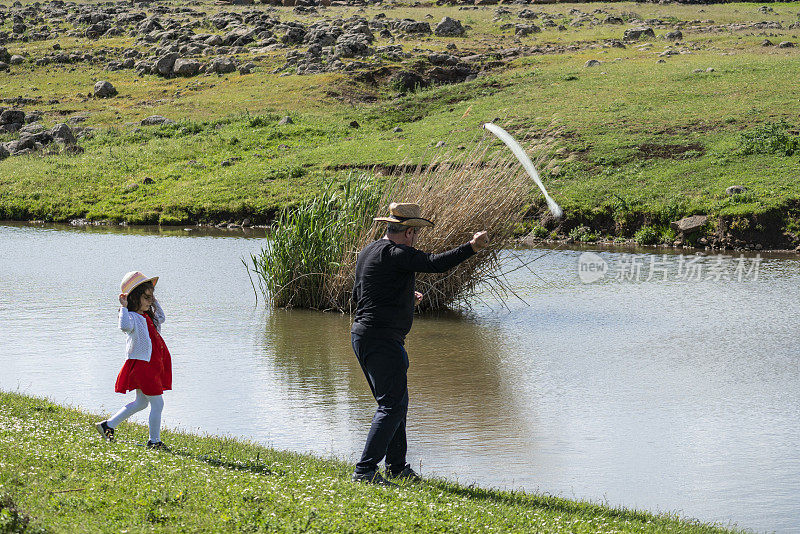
(123, 300)
(417, 298)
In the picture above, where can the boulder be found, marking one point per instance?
(735, 190)
(63, 134)
(4, 55)
(154, 120)
(521, 30)
(448, 27)
(12, 116)
(691, 224)
(592, 63)
(165, 64)
(221, 65)
(104, 89)
(611, 19)
(634, 34)
(4, 153)
(16, 60)
(675, 35)
(186, 67)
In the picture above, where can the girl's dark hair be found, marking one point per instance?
(135, 297)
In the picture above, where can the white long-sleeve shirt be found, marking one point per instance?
(138, 345)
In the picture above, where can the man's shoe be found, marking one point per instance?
(406, 474)
(106, 431)
(372, 477)
(158, 445)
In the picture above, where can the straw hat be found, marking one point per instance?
(406, 214)
(133, 279)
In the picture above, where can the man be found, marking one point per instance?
(384, 296)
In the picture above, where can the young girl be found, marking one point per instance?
(148, 369)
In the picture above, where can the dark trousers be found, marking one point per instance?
(385, 364)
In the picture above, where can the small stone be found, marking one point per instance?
(440, 144)
(104, 89)
(711, 69)
(16, 60)
(448, 27)
(354, 124)
(285, 120)
(735, 190)
(63, 134)
(786, 44)
(689, 224)
(592, 63)
(131, 187)
(675, 35)
(154, 120)
(767, 42)
(147, 181)
(397, 129)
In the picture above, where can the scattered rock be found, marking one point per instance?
(735, 190)
(397, 129)
(786, 44)
(165, 64)
(12, 116)
(104, 89)
(221, 65)
(4, 153)
(16, 60)
(448, 27)
(675, 35)
(691, 224)
(185, 67)
(354, 124)
(521, 30)
(285, 120)
(154, 120)
(63, 134)
(147, 180)
(592, 63)
(634, 34)
(767, 42)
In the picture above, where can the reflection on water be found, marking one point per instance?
(676, 393)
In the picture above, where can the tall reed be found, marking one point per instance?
(310, 260)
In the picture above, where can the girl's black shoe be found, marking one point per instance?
(158, 445)
(106, 431)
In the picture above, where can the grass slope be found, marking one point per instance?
(660, 138)
(59, 475)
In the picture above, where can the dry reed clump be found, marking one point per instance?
(483, 189)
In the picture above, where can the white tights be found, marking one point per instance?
(140, 403)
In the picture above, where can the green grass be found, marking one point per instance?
(60, 475)
(661, 137)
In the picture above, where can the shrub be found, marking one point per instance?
(769, 138)
(647, 235)
(583, 234)
(310, 259)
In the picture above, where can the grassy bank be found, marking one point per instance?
(640, 142)
(57, 475)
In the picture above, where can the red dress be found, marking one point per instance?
(153, 377)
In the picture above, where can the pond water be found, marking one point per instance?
(671, 383)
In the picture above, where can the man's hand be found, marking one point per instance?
(417, 298)
(479, 241)
(123, 300)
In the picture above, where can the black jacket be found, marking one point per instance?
(384, 287)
